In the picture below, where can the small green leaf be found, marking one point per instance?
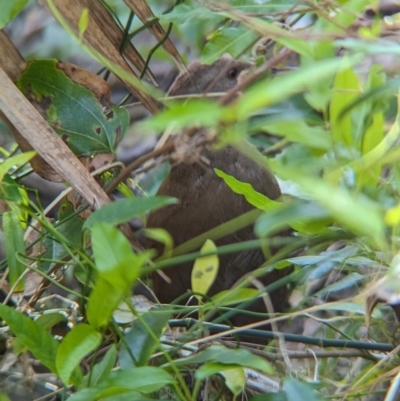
(83, 23)
(179, 115)
(118, 267)
(205, 270)
(10, 9)
(14, 247)
(226, 356)
(143, 379)
(228, 40)
(142, 339)
(346, 89)
(126, 209)
(162, 236)
(15, 161)
(235, 379)
(34, 337)
(79, 342)
(256, 199)
(235, 296)
(101, 371)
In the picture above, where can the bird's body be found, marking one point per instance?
(205, 202)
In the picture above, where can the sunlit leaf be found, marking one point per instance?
(78, 343)
(205, 270)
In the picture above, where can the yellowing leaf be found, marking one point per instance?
(392, 216)
(205, 270)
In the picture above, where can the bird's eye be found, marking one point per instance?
(232, 73)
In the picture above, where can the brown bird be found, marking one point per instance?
(205, 202)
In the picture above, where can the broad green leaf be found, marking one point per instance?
(205, 270)
(143, 379)
(235, 379)
(111, 394)
(15, 248)
(93, 129)
(226, 356)
(79, 342)
(118, 267)
(101, 371)
(10, 9)
(126, 209)
(34, 337)
(143, 338)
(346, 89)
(110, 247)
(228, 40)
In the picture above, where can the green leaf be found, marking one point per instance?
(92, 129)
(79, 342)
(296, 390)
(83, 22)
(15, 161)
(235, 379)
(34, 337)
(226, 356)
(299, 131)
(162, 236)
(101, 371)
(10, 9)
(205, 270)
(256, 199)
(126, 209)
(144, 379)
(179, 115)
(143, 338)
(228, 40)
(346, 88)
(301, 216)
(268, 92)
(349, 209)
(14, 247)
(235, 296)
(118, 267)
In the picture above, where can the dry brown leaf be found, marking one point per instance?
(96, 37)
(143, 11)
